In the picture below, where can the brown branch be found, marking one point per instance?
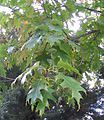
(6, 79)
(93, 10)
(86, 34)
(90, 9)
(83, 35)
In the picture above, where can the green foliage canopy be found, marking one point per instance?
(43, 44)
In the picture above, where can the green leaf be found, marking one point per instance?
(101, 21)
(55, 28)
(3, 51)
(61, 54)
(35, 92)
(32, 41)
(67, 66)
(47, 95)
(72, 85)
(42, 93)
(2, 70)
(13, 2)
(41, 106)
(52, 39)
(74, 45)
(71, 5)
(43, 28)
(65, 47)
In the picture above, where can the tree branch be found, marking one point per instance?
(76, 38)
(6, 79)
(93, 10)
(86, 34)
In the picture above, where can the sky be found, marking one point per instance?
(74, 27)
(5, 9)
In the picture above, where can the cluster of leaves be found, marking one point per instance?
(49, 55)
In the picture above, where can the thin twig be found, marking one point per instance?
(83, 35)
(93, 10)
(86, 34)
(6, 79)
